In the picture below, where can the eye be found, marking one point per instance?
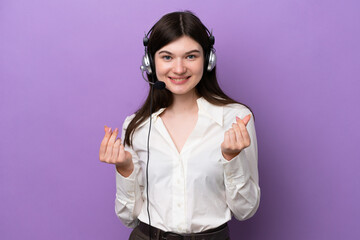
(191, 57)
(166, 57)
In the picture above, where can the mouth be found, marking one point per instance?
(179, 80)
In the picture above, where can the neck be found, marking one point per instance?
(184, 103)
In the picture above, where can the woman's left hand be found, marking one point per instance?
(236, 138)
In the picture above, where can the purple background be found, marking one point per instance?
(68, 67)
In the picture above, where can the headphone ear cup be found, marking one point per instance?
(146, 64)
(210, 60)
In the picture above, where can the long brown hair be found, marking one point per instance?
(169, 28)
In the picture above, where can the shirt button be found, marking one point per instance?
(179, 204)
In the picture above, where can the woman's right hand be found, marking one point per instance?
(113, 152)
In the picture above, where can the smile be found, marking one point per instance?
(178, 80)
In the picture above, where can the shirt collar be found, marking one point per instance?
(210, 110)
(155, 116)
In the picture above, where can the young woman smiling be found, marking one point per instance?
(202, 159)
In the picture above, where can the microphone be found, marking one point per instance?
(158, 84)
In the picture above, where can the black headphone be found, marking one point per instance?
(148, 65)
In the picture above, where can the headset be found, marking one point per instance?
(148, 66)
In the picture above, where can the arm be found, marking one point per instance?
(128, 201)
(241, 177)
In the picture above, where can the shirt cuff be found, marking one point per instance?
(236, 170)
(125, 186)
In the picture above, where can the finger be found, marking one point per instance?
(104, 142)
(238, 135)
(116, 150)
(121, 156)
(226, 139)
(246, 137)
(242, 127)
(244, 132)
(232, 137)
(245, 142)
(246, 119)
(111, 143)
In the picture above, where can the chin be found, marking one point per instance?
(181, 91)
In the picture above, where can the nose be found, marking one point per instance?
(179, 67)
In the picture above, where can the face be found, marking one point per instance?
(180, 64)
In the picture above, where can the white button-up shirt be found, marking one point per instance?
(196, 189)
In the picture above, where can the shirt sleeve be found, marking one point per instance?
(128, 201)
(241, 178)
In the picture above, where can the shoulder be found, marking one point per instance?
(224, 113)
(127, 121)
(233, 110)
(143, 122)
(236, 109)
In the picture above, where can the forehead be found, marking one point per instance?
(182, 45)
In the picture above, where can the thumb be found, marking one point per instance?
(247, 119)
(107, 129)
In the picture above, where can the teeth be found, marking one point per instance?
(178, 79)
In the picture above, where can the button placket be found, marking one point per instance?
(179, 194)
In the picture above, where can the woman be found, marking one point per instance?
(201, 165)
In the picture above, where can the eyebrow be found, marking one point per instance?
(192, 51)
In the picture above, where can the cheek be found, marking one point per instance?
(158, 66)
(200, 69)
(160, 69)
